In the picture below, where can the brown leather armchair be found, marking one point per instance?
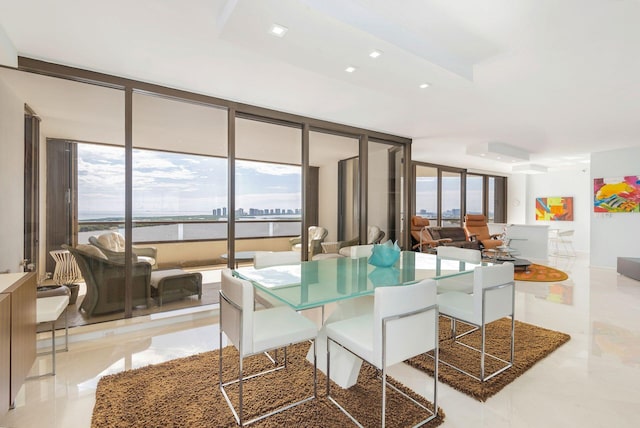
(476, 227)
(420, 236)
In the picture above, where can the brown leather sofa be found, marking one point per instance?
(426, 238)
(456, 237)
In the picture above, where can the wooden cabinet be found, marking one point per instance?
(19, 295)
(5, 352)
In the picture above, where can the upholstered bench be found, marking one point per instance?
(175, 284)
(629, 267)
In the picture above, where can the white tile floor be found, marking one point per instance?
(592, 381)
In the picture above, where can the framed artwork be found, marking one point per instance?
(616, 195)
(558, 208)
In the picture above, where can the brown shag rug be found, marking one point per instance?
(185, 393)
(532, 344)
(540, 273)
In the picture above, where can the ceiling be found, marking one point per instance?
(557, 79)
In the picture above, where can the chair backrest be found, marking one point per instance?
(357, 251)
(476, 224)
(233, 319)
(407, 336)
(66, 270)
(317, 232)
(418, 225)
(263, 259)
(566, 234)
(498, 301)
(461, 254)
(113, 241)
(417, 222)
(374, 235)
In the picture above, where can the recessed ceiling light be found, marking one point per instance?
(278, 30)
(375, 54)
(350, 69)
(424, 85)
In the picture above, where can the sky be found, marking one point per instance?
(173, 183)
(426, 192)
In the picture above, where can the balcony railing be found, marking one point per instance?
(178, 231)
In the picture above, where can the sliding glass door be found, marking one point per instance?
(268, 186)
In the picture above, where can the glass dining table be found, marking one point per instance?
(347, 282)
(319, 282)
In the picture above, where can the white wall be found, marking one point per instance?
(517, 199)
(8, 53)
(616, 234)
(11, 179)
(574, 183)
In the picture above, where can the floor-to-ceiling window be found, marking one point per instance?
(152, 167)
(426, 201)
(179, 175)
(445, 195)
(451, 195)
(268, 180)
(475, 194)
(438, 194)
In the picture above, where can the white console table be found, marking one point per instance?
(531, 241)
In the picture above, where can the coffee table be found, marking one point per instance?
(518, 264)
(506, 254)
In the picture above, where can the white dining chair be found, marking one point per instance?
(467, 255)
(565, 240)
(262, 259)
(48, 310)
(403, 324)
(493, 298)
(358, 251)
(265, 259)
(462, 283)
(255, 332)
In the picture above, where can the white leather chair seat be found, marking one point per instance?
(356, 335)
(458, 305)
(275, 326)
(50, 308)
(460, 283)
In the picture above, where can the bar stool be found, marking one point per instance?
(49, 309)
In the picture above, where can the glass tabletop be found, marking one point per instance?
(318, 282)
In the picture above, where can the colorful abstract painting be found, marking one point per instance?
(558, 208)
(616, 195)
